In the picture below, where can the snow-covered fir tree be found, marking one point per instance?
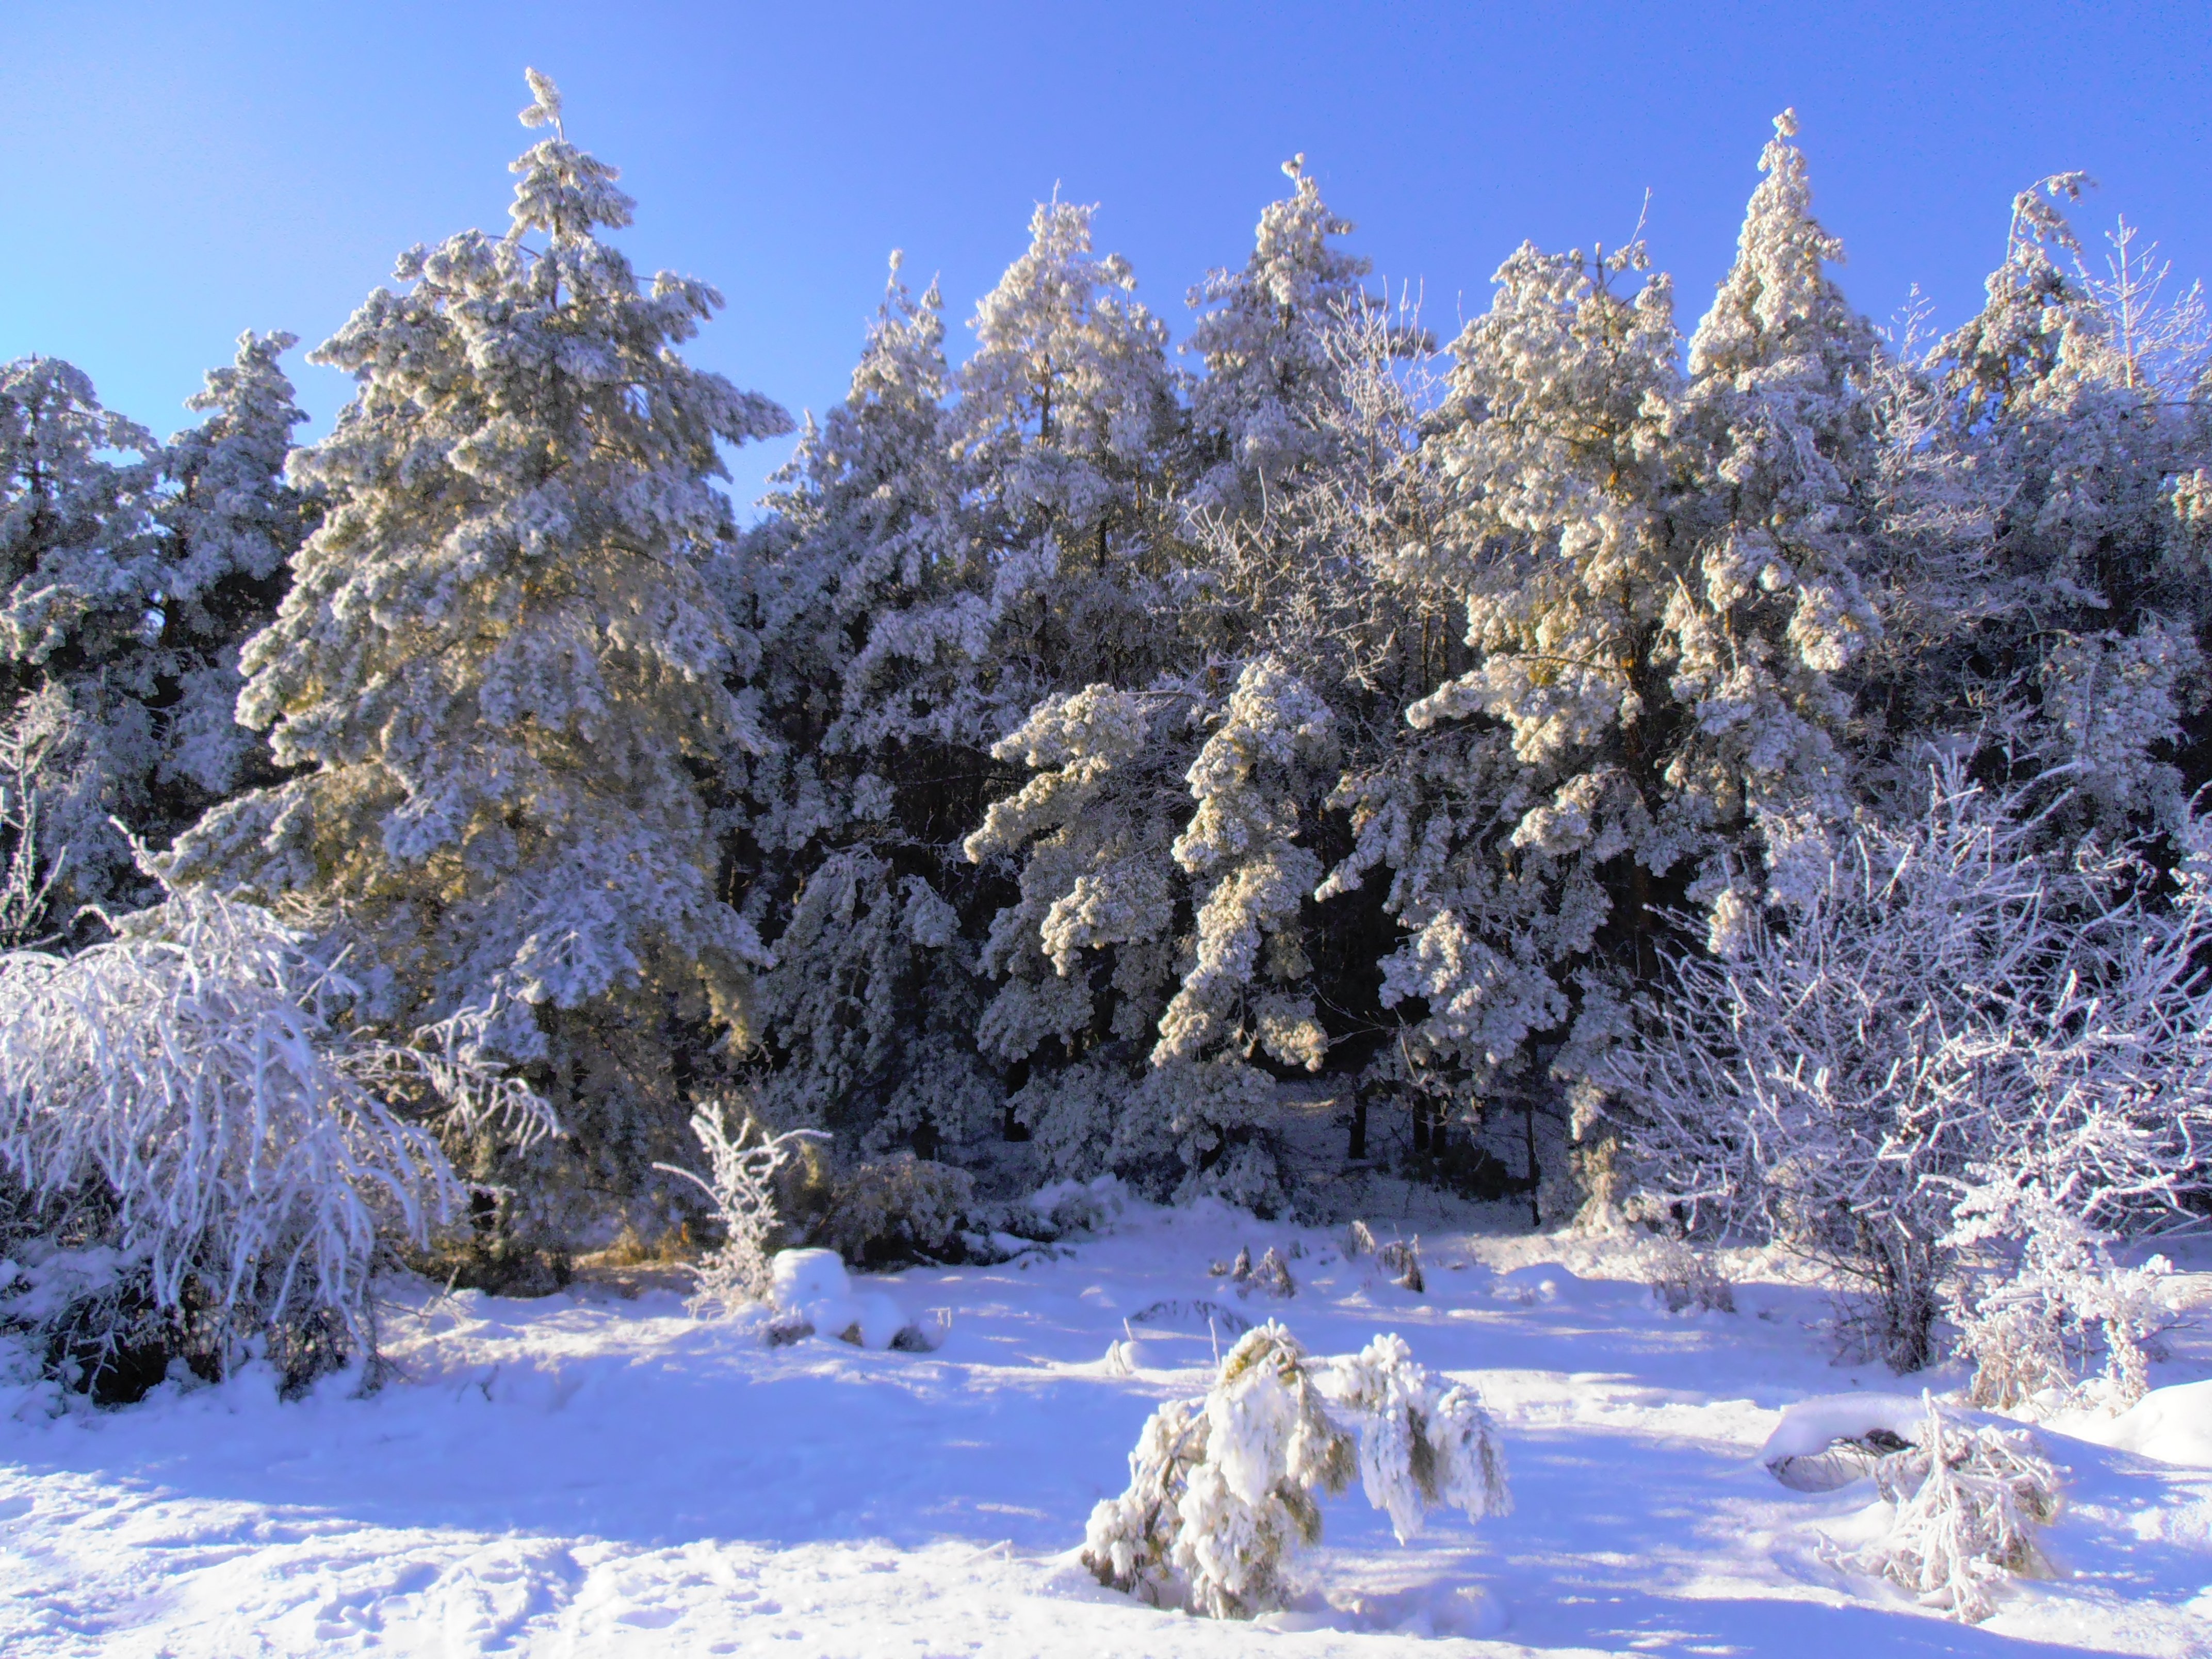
(1661, 580)
(875, 607)
(1155, 963)
(1264, 356)
(2075, 398)
(135, 569)
(80, 558)
(504, 670)
(233, 524)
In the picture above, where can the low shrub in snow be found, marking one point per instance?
(814, 1297)
(2052, 1307)
(1225, 1489)
(902, 1209)
(1269, 1276)
(205, 1156)
(1401, 1262)
(1682, 1279)
(1967, 1503)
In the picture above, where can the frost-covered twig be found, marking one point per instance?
(741, 1183)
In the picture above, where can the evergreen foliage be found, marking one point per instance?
(504, 670)
(1086, 751)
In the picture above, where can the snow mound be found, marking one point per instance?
(1814, 1426)
(1827, 1443)
(814, 1285)
(2173, 1425)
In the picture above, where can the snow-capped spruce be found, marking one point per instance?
(502, 666)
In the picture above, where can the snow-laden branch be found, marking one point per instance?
(196, 1084)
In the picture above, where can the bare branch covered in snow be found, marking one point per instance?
(741, 1183)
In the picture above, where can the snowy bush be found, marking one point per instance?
(1967, 1503)
(1682, 1279)
(2051, 1305)
(1223, 1491)
(1400, 1260)
(897, 1210)
(189, 1103)
(1929, 1006)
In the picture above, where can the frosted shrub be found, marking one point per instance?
(2051, 1305)
(741, 1183)
(1223, 1491)
(1968, 1503)
(191, 1097)
(1930, 1017)
(1683, 1281)
(1401, 1262)
(896, 1210)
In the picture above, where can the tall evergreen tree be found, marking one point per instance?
(1154, 965)
(2087, 648)
(504, 667)
(875, 608)
(232, 524)
(132, 579)
(81, 561)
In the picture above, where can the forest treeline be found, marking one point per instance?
(1092, 736)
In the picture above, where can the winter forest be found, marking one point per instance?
(1714, 782)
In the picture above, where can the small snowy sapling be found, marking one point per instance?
(1223, 1491)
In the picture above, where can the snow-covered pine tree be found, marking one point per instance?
(1776, 423)
(1260, 334)
(1156, 952)
(2073, 398)
(874, 606)
(232, 524)
(1072, 434)
(503, 667)
(1070, 430)
(82, 572)
(130, 583)
(1536, 810)
(1660, 583)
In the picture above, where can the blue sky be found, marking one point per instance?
(170, 175)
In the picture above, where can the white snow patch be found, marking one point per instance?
(585, 1475)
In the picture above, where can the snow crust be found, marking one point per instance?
(588, 1475)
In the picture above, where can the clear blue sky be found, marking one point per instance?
(171, 174)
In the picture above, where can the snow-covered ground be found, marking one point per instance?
(591, 1475)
